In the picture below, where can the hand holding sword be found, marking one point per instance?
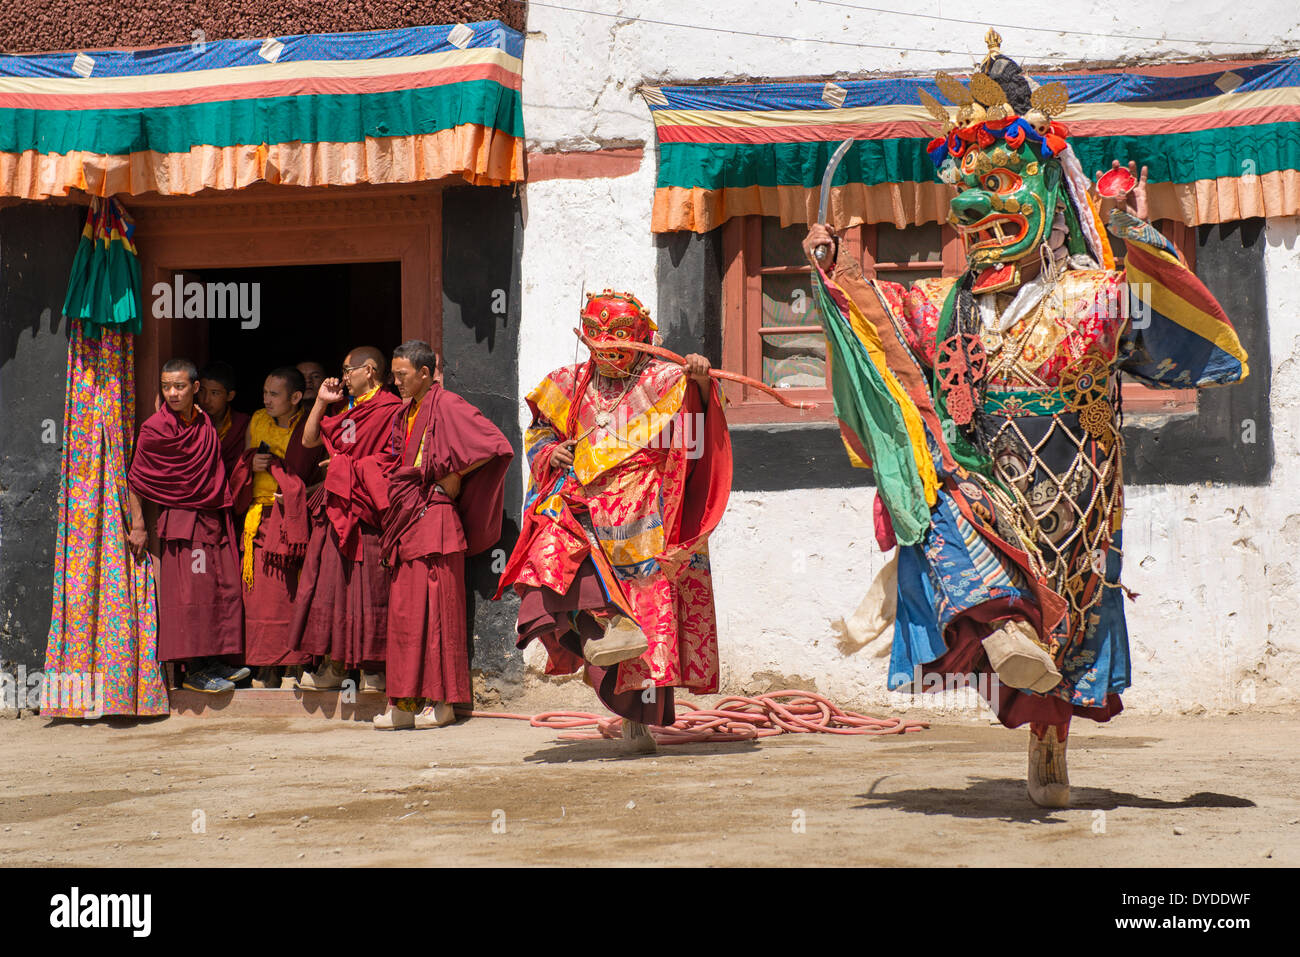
(820, 240)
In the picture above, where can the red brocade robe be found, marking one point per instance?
(341, 608)
(278, 551)
(426, 536)
(640, 515)
(178, 466)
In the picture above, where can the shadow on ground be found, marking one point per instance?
(565, 752)
(1005, 799)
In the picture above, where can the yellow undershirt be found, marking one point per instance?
(262, 428)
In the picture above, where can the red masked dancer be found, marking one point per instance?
(341, 609)
(442, 491)
(630, 469)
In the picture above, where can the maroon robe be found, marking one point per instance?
(178, 467)
(279, 548)
(232, 443)
(341, 608)
(426, 536)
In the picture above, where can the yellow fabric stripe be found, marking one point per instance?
(902, 113)
(1177, 309)
(226, 76)
(637, 549)
(590, 458)
(869, 336)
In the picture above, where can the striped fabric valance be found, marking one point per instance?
(387, 106)
(1222, 144)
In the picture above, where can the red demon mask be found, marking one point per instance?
(616, 317)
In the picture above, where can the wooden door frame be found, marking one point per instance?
(284, 226)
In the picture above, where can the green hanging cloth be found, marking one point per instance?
(104, 287)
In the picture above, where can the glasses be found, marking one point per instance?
(348, 370)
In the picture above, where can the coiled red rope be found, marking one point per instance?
(733, 718)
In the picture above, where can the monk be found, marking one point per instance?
(270, 482)
(313, 374)
(177, 466)
(341, 610)
(216, 393)
(630, 471)
(443, 490)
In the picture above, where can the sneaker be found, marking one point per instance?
(229, 672)
(268, 676)
(328, 677)
(207, 682)
(372, 681)
(435, 716)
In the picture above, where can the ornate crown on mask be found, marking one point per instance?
(1001, 103)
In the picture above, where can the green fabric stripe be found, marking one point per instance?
(1172, 158)
(344, 118)
(864, 404)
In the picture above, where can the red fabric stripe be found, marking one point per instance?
(262, 89)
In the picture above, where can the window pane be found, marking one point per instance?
(781, 246)
(788, 301)
(795, 361)
(915, 244)
(907, 276)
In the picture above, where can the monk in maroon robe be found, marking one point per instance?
(216, 393)
(177, 465)
(270, 483)
(341, 609)
(443, 496)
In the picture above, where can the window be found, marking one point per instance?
(772, 331)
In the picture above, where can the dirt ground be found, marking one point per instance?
(1211, 791)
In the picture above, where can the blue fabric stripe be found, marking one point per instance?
(1088, 88)
(216, 54)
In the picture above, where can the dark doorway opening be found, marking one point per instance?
(304, 313)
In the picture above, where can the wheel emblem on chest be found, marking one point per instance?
(1084, 387)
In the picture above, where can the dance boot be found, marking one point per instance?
(637, 738)
(328, 677)
(393, 719)
(622, 640)
(436, 715)
(1048, 779)
(1019, 660)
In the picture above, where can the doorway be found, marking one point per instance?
(303, 313)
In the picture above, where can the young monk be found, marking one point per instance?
(216, 393)
(341, 610)
(443, 499)
(177, 465)
(313, 374)
(270, 481)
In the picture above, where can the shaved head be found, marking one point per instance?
(363, 354)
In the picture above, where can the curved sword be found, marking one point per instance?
(826, 189)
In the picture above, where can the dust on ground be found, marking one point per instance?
(1148, 791)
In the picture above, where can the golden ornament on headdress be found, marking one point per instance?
(953, 89)
(935, 109)
(1050, 98)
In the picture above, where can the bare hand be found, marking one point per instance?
(562, 454)
(138, 540)
(1135, 201)
(261, 461)
(331, 391)
(820, 235)
(697, 367)
(450, 484)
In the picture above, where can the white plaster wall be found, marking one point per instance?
(1217, 623)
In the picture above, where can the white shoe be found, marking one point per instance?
(1019, 660)
(435, 715)
(328, 677)
(637, 738)
(622, 640)
(393, 719)
(1048, 779)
